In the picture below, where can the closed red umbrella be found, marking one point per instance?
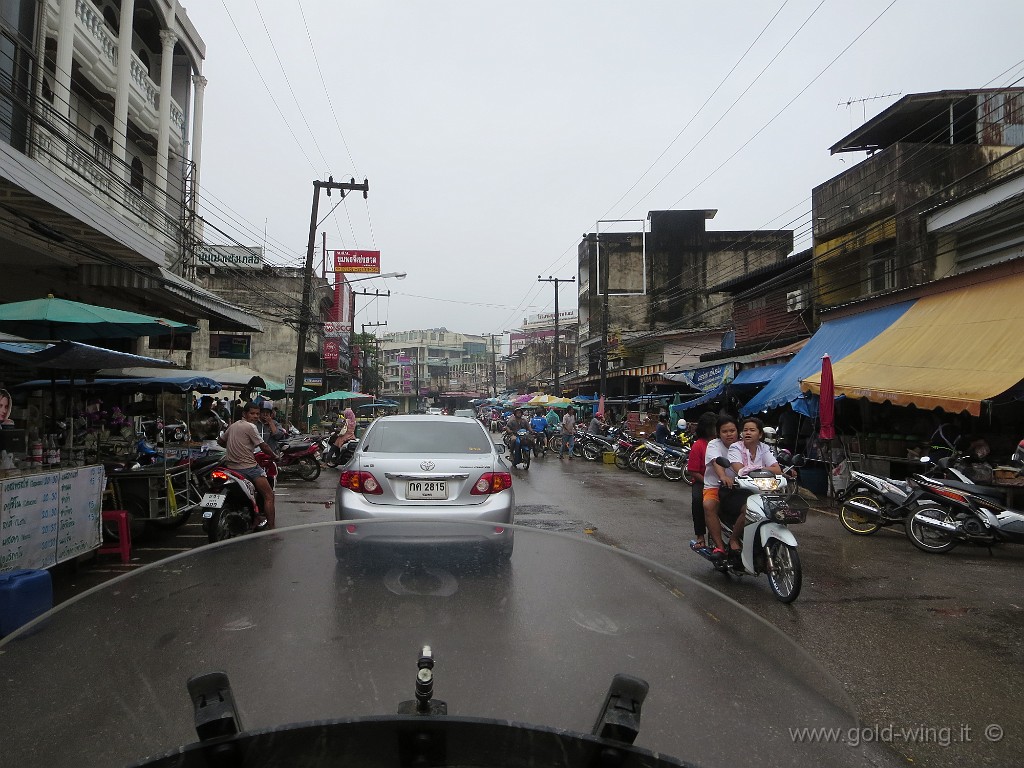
(827, 401)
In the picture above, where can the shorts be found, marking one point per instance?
(251, 473)
(711, 493)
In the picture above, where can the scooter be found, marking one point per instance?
(520, 447)
(962, 513)
(232, 506)
(300, 457)
(768, 545)
(873, 502)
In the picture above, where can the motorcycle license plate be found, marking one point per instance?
(427, 489)
(317, 456)
(213, 500)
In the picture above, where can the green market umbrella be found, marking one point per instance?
(52, 319)
(341, 394)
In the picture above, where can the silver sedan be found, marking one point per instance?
(411, 471)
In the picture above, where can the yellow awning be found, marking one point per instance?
(951, 350)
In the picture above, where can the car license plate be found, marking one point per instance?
(213, 500)
(427, 489)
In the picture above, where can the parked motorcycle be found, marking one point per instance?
(768, 545)
(873, 502)
(592, 446)
(626, 445)
(963, 513)
(300, 457)
(231, 506)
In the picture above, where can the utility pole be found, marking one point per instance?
(305, 311)
(556, 281)
(494, 363)
(376, 359)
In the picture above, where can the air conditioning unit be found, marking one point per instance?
(796, 300)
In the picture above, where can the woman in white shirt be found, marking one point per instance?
(715, 476)
(748, 454)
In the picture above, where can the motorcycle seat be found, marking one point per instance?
(296, 447)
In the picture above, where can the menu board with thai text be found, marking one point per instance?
(49, 517)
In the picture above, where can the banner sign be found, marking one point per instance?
(313, 381)
(335, 330)
(234, 256)
(357, 261)
(332, 351)
(709, 378)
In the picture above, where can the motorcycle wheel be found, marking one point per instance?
(652, 465)
(577, 449)
(674, 469)
(621, 459)
(635, 458)
(926, 538)
(786, 577)
(308, 469)
(857, 523)
(555, 443)
(230, 523)
(591, 452)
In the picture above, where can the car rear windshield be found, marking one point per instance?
(427, 437)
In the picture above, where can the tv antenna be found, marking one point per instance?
(863, 105)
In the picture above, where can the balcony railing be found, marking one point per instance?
(102, 52)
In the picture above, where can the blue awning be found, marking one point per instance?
(71, 356)
(676, 411)
(755, 376)
(837, 338)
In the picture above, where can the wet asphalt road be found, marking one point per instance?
(929, 647)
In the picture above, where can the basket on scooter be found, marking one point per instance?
(790, 515)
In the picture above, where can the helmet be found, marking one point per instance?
(267, 405)
(770, 435)
(681, 424)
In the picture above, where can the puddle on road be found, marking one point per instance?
(550, 519)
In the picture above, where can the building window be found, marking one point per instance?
(230, 347)
(172, 342)
(47, 90)
(882, 268)
(138, 180)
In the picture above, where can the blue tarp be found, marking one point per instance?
(675, 411)
(71, 356)
(837, 338)
(755, 376)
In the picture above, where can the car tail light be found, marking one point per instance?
(361, 482)
(491, 482)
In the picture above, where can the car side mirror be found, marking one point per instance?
(501, 447)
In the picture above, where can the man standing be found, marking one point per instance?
(568, 432)
(241, 439)
(269, 430)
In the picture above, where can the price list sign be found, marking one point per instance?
(49, 517)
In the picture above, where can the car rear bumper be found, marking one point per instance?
(484, 523)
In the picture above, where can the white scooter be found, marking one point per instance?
(768, 545)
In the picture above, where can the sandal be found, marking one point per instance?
(698, 543)
(718, 552)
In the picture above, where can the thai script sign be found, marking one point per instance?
(237, 256)
(357, 261)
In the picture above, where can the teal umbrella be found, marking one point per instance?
(341, 394)
(52, 319)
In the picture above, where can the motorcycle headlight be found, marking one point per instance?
(767, 483)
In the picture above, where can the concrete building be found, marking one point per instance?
(101, 158)
(646, 302)
(423, 365)
(871, 222)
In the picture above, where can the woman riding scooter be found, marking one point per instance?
(750, 453)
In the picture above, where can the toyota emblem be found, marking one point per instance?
(426, 466)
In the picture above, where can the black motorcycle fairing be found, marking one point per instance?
(307, 634)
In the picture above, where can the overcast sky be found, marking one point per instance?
(495, 134)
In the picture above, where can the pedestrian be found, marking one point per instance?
(268, 428)
(568, 433)
(241, 439)
(705, 432)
